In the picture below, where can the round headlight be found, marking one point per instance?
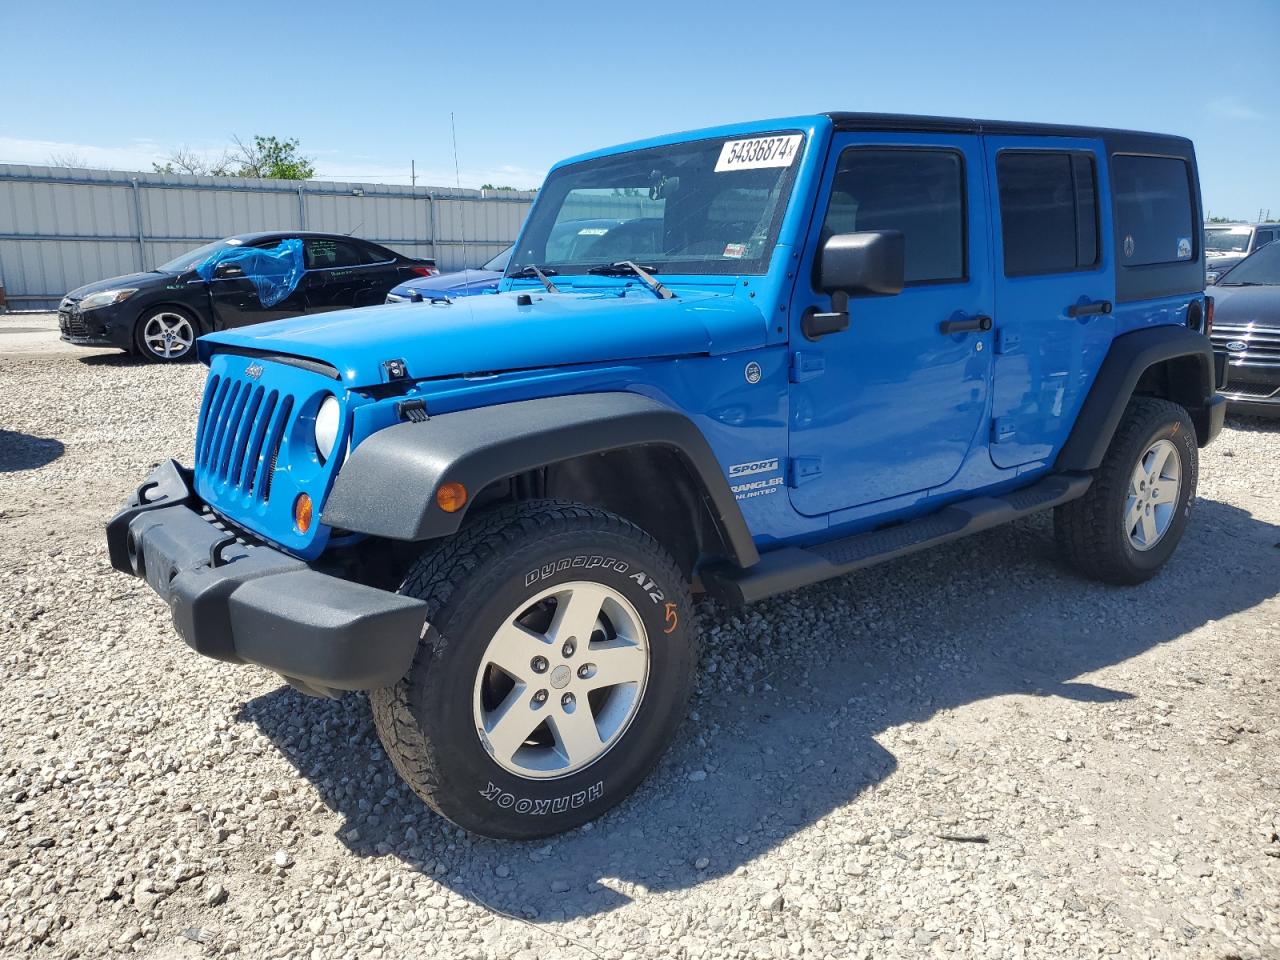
(327, 426)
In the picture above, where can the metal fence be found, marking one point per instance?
(63, 227)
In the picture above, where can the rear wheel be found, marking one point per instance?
(556, 668)
(1129, 523)
(166, 334)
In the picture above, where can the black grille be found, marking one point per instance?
(72, 324)
(241, 429)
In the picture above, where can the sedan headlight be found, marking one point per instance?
(327, 418)
(105, 298)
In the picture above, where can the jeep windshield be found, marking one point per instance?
(701, 207)
(1226, 241)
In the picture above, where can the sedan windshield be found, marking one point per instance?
(1225, 241)
(1262, 269)
(192, 257)
(701, 207)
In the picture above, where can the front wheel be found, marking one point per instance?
(556, 669)
(166, 334)
(1129, 523)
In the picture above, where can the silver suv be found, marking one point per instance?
(1226, 244)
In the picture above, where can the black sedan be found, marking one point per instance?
(249, 278)
(1246, 325)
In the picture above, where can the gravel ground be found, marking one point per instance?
(970, 753)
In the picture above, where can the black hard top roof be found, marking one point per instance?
(903, 121)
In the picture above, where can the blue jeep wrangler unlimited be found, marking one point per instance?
(808, 345)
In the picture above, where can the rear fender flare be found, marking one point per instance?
(1131, 355)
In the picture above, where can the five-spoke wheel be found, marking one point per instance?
(561, 679)
(166, 335)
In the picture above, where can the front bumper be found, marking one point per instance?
(104, 327)
(1254, 388)
(246, 603)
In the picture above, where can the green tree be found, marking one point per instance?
(272, 158)
(262, 158)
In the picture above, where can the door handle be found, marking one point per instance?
(1089, 309)
(967, 325)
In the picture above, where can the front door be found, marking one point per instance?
(1054, 290)
(237, 296)
(894, 404)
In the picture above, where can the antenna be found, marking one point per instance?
(352, 231)
(457, 181)
(462, 216)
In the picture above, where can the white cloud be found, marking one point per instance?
(136, 155)
(1232, 109)
(359, 168)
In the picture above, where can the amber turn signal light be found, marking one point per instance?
(302, 513)
(451, 497)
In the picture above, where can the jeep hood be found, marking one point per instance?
(496, 333)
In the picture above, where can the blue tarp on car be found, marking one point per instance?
(274, 271)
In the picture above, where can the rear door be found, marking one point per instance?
(1055, 287)
(333, 276)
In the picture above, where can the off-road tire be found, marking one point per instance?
(1091, 530)
(470, 584)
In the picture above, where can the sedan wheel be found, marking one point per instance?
(166, 335)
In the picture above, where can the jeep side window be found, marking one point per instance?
(917, 191)
(1155, 212)
(1048, 211)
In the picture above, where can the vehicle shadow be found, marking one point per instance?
(116, 358)
(786, 731)
(22, 451)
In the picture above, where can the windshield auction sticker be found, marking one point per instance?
(758, 153)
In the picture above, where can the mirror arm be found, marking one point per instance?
(815, 324)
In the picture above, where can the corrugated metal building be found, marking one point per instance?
(60, 227)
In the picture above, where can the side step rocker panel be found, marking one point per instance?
(790, 568)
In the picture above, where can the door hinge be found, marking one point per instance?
(1002, 430)
(807, 366)
(803, 469)
(1007, 342)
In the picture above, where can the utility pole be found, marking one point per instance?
(413, 174)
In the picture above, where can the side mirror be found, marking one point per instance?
(225, 271)
(870, 263)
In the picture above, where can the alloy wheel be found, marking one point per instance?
(561, 680)
(168, 335)
(1154, 487)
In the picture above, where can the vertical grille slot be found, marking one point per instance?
(249, 470)
(241, 429)
(271, 449)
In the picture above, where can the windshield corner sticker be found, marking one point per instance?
(747, 489)
(735, 250)
(758, 153)
(1184, 248)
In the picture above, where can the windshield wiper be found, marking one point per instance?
(533, 270)
(623, 267)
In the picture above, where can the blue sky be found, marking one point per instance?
(367, 87)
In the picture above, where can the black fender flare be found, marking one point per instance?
(387, 488)
(1130, 356)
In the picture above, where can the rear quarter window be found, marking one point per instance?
(1155, 209)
